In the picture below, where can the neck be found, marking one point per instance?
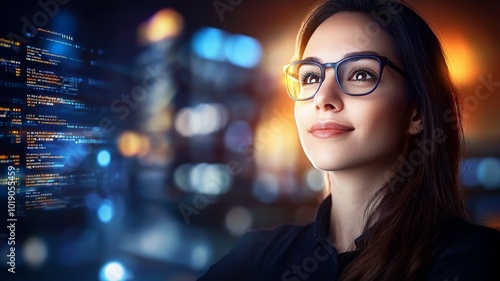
(351, 194)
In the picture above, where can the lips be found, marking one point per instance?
(327, 129)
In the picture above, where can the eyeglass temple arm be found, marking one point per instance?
(395, 67)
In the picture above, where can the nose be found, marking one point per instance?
(329, 95)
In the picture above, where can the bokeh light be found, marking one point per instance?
(200, 256)
(203, 119)
(461, 59)
(237, 134)
(161, 240)
(181, 177)
(238, 220)
(105, 211)
(208, 43)
(210, 178)
(314, 179)
(468, 172)
(216, 45)
(35, 252)
(112, 271)
(133, 144)
(276, 140)
(266, 187)
(488, 173)
(166, 23)
(243, 51)
(103, 158)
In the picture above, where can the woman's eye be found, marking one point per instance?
(361, 76)
(310, 78)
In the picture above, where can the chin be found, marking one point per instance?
(328, 164)
(331, 161)
(327, 167)
(332, 156)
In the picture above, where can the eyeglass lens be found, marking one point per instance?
(355, 76)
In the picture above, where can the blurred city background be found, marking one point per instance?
(147, 136)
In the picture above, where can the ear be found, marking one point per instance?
(415, 124)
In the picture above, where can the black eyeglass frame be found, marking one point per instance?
(383, 61)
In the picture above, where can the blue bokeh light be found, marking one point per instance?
(103, 158)
(266, 188)
(105, 211)
(112, 271)
(468, 172)
(208, 43)
(200, 255)
(216, 45)
(488, 173)
(238, 136)
(243, 51)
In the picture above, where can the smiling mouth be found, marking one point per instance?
(329, 129)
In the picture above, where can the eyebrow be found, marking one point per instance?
(345, 55)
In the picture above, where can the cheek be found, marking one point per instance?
(302, 114)
(386, 120)
(299, 113)
(389, 104)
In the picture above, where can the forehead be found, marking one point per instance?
(345, 33)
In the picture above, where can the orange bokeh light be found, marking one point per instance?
(461, 59)
(164, 24)
(132, 144)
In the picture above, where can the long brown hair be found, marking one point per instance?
(424, 191)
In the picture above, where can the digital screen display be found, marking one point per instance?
(51, 106)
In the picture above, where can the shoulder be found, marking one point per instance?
(269, 247)
(258, 250)
(466, 235)
(466, 251)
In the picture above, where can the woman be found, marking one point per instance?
(377, 111)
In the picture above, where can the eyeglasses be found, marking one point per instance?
(356, 75)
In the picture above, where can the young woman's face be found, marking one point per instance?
(341, 132)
